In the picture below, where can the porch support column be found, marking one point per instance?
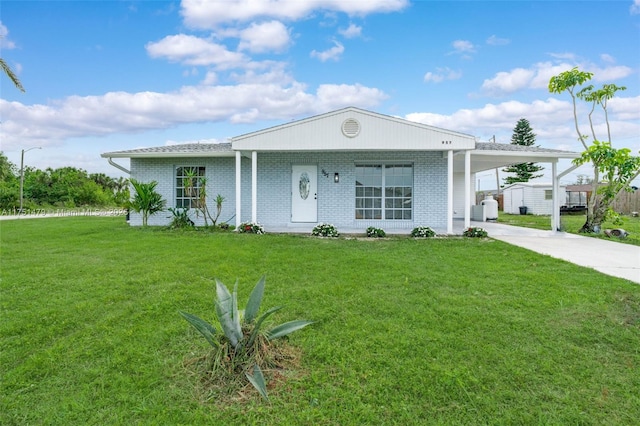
(238, 189)
(254, 186)
(450, 192)
(467, 188)
(555, 202)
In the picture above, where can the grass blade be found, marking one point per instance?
(206, 329)
(257, 380)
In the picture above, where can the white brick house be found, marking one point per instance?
(351, 167)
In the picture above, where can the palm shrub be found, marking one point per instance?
(146, 199)
(242, 347)
(180, 218)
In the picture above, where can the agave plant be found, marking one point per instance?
(241, 329)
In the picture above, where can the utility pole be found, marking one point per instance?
(493, 139)
(22, 172)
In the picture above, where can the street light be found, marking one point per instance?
(22, 172)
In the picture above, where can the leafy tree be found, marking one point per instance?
(12, 76)
(9, 182)
(522, 135)
(196, 189)
(614, 169)
(8, 170)
(146, 200)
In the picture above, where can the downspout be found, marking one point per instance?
(118, 166)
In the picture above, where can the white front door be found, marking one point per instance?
(304, 196)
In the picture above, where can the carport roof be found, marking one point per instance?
(487, 156)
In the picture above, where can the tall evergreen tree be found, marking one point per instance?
(522, 135)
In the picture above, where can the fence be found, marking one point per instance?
(627, 202)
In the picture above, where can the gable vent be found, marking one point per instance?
(350, 127)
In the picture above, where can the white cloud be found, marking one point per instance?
(121, 112)
(210, 78)
(274, 72)
(329, 54)
(5, 43)
(608, 58)
(333, 96)
(538, 75)
(210, 14)
(351, 32)
(635, 8)
(551, 120)
(508, 82)
(497, 41)
(610, 73)
(191, 50)
(442, 74)
(463, 46)
(625, 108)
(264, 37)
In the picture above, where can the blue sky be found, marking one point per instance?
(112, 75)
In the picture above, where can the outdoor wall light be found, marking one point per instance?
(336, 177)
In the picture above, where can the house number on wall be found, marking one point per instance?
(304, 185)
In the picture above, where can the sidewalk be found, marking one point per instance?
(609, 257)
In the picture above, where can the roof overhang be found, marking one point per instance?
(190, 150)
(482, 160)
(173, 154)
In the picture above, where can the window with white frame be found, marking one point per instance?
(548, 194)
(384, 191)
(188, 184)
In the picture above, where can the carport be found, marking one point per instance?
(490, 156)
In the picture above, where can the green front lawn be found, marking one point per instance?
(438, 331)
(573, 223)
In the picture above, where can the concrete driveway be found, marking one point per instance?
(609, 257)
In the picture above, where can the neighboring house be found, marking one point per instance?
(536, 197)
(351, 167)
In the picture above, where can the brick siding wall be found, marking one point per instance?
(336, 201)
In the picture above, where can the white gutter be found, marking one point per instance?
(118, 166)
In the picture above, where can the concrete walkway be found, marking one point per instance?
(609, 257)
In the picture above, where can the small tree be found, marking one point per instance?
(146, 199)
(196, 189)
(617, 166)
(522, 135)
